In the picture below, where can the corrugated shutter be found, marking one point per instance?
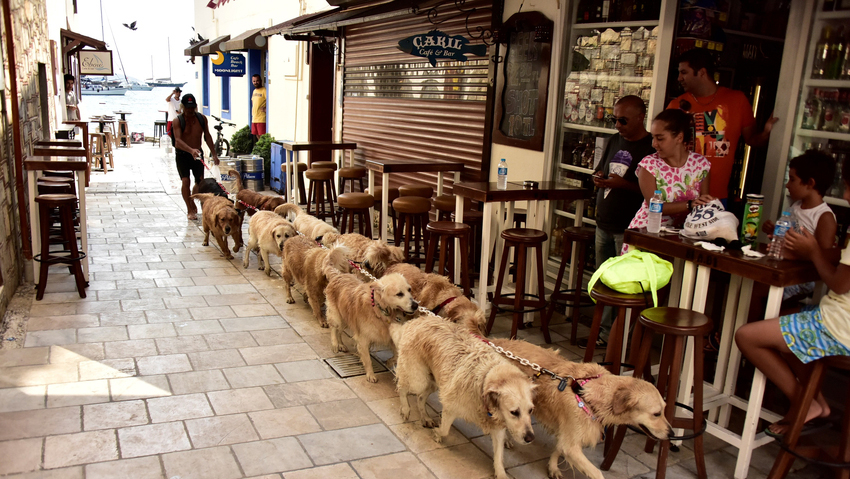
(397, 106)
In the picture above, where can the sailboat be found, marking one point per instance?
(164, 82)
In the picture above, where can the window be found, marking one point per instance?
(225, 97)
(205, 94)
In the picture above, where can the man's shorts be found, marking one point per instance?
(258, 129)
(168, 127)
(185, 164)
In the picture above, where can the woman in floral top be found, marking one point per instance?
(681, 175)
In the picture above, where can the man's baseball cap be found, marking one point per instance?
(189, 101)
(178, 90)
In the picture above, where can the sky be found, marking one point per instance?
(157, 21)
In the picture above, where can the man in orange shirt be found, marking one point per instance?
(721, 117)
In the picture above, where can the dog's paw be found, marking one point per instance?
(290, 300)
(405, 413)
(508, 443)
(268, 272)
(205, 243)
(371, 378)
(556, 474)
(324, 324)
(341, 348)
(436, 435)
(245, 264)
(390, 362)
(428, 423)
(228, 256)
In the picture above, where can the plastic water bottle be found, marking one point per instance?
(653, 221)
(503, 175)
(774, 250)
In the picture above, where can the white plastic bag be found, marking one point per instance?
(711, 221)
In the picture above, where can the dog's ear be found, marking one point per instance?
(623, 401)
(491, 400)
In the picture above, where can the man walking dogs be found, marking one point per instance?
(188, 129)
(258, 108)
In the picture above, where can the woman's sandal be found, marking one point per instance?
(815, 425)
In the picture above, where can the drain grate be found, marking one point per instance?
(349, 365)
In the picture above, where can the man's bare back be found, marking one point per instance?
(192, 132)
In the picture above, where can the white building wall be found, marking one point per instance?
(286, 69)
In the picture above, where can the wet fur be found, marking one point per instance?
(614, 400)
(259, 201)
(309, 225)
(431, 290)
(349, 307)
(267, 234)
(303, 263)
(475, 383)
(221, 218)
(374, 255)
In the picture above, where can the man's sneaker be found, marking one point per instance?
(600, 343)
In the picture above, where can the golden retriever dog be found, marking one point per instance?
(258, 201)
(475, 383)
(267, 233)
(221, 218)
(611, 399)
(374, 255)
(303, 262)
(365, 310)
(212, 185)
(436, 293)
(309, 225)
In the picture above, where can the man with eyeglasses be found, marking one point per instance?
(619, 196)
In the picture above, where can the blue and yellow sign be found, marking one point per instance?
(228, 64)
(436, 45)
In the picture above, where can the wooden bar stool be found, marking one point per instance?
(422, 191)
(321, 190)
(572, 297)
(331, 165)
(520, 239)
(445, 233)
(676, 325)
(355, 205)
(72, 256)
(98, 159)
(301, 168)
(412, 219)
(474, 219)
(108, 149)
(351, 173)
(123, 135)
(445, 205)
(839, 457)
(393, 194)
(58, 174)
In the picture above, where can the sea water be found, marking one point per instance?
(146, 108)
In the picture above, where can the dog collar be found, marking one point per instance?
(577, 388)
(443, 304)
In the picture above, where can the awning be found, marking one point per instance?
(195, 50)
(73, 42)
(250, 40)
(339, 17)
(214, 46)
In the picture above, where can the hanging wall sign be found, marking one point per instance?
(228, 65)
(436, 45)
(96, 62)
(521, 101)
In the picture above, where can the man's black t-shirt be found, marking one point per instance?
(615, 207)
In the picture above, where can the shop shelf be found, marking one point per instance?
(572, 216)
(829, 135)
(835, 201)
(820, 83)
(579, 169)
(604, 25)
(596, 129)
(839, 15)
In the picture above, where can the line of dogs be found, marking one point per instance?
(443, 352)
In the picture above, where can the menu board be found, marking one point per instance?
(523, 91)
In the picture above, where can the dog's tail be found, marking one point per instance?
(202, 197)
(289, 211)
(235, 174)
(336, 262)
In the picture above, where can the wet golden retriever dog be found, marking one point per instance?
(436, 293)
(475, 383)
(303, 262)
(258, 201)
(612, 400)
(373, 255)
(365, 310)
(267, 233)
(221, 218)
(309, 225)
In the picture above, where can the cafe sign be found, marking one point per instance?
(436, 45)
(96, 62)
(228, 65)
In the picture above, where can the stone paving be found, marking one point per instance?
(180, 364)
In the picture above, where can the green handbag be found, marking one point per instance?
(633, 273)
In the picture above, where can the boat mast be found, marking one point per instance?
(102, 34)
(169, 58)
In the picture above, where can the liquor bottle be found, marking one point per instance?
(844, 71)
(830, 113)
(844, 113)
(836, 55)
(811, 110)
(820, 63)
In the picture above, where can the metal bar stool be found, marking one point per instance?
(355, 205)
(676, 325)
(412, 219)
(572, 297)
(445, 233)
(520, 239)
(159, 128)
(65, 204)
(321, 190)
(791, 449)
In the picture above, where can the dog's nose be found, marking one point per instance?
(529, 437)
(227, 229)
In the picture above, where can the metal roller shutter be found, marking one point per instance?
(397, 106)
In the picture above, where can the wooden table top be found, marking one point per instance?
(762, 270)
(408, 166)
(56, 163)
(60, 143)
(76, 122)
(316, 145)
(123, 112)
(58, 151)
(546, 190)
